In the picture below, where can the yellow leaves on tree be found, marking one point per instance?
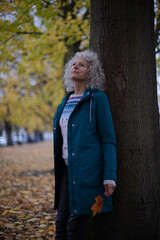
(97, 207)
(32, 54)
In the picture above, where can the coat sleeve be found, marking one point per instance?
(106, 133)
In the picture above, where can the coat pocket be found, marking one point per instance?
(90, 174)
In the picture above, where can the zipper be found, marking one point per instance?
(90, 109)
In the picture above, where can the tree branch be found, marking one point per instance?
(20, 33)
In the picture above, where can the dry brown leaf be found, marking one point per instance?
(97, 207)
(27, 192)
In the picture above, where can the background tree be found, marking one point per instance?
(122, 32)
(37, 37)
(157, 25)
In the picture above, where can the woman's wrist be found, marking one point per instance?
(109, 182)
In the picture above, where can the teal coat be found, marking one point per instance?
(91, 152)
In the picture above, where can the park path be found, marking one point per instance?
(27, 192)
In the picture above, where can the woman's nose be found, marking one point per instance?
(75, 66)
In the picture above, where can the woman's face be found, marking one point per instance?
(79, 69)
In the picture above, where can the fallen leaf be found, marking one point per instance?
(97, 207)
(27, 192)
(9, 225)
(42, 225)
(50, 233)
(8, 211)
(51, 228)
(41, 230)
(32, 220)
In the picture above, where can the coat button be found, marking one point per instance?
(74, 182)
(72, 154)
(75, 211)
(73, 125)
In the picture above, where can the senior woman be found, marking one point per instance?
(84, 147)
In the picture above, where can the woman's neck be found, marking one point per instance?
(79, 88)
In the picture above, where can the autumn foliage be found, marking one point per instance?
(97, 207)
(35, 38)
(27, 192)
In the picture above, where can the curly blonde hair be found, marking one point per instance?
(95, 78)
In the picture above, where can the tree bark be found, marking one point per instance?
(122, 33)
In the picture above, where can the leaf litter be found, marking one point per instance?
(27, 192)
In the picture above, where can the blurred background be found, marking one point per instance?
(36, 40)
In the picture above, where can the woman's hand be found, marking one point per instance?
(109, 189)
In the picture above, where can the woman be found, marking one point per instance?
(84, 147)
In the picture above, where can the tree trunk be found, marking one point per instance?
(8, 128)
(122, 32)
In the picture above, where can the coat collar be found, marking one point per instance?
(86, 93)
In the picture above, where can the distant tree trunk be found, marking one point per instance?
(8, 128)
(41, 136)
(122, 32)
(38, 135)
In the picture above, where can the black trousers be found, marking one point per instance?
(68, 227)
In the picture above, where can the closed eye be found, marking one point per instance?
(80, 64)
